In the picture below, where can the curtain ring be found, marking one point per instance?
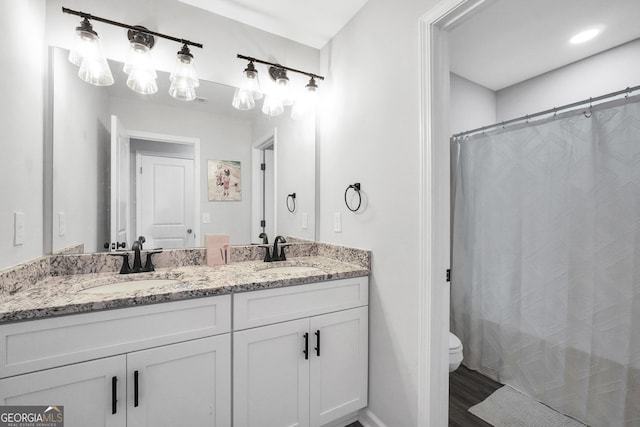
(291, 197)
(356, 187)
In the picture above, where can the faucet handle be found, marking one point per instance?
(126, 268)
(148, 265)
(283, 256)
(267, 254)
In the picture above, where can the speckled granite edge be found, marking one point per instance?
(23, 276)
(349, 255)
(70, 250)
(29, 273)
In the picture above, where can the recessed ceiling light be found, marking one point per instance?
(585, 36)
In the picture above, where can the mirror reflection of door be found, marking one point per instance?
(263, 213)
(159, 203)
(164, 201)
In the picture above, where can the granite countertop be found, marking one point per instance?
(60, 295)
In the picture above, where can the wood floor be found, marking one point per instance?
(467, 388)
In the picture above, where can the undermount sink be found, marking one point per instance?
(290, 269)
(128, 286)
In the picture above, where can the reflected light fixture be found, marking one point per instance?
(87, 54)
(245, 96)
(306, 102)
(139, 68)
(183, 78)
(139, 65)
(274, 100)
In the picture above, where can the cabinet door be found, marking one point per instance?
(84, 389)
(339, 364)
(184, 384)
(271, 376)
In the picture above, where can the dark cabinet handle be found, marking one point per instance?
(306, 346)
(114, 395)
(318, 342)
(135, 389)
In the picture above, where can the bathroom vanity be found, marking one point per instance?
(231, 345)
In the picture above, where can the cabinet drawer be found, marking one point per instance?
(257, 308)
(41, 344)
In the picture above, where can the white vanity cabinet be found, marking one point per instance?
(157, 365)
(300, 354)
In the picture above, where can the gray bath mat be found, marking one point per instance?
(507, 407)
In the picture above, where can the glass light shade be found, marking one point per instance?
(283, 90)
(307, 102)
(138, 58)
(183, 78)
(182, 89)
(272, 105)
(243, 99)
(143, 82)
(251, 82)
(86, 43)
(95, 71)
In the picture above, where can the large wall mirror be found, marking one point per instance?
(124, 165)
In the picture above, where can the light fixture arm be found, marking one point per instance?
(273, 64)
(130, 27)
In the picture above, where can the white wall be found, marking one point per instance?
(369, 133)
(471, 105)
(82, 144)
(607, 72)
(21, 121)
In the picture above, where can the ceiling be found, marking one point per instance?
(312, 24)
(509, 41)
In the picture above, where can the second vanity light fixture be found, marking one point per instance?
(275, 100)
(141, 74)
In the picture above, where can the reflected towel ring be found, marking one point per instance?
(291, 197)
(356, 188)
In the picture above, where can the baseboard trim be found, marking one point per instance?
(369, 419)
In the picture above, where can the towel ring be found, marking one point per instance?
(291, 197)
(356, 187)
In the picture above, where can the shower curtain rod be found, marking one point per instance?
(553, 110)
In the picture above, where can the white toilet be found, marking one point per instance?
(455, 352)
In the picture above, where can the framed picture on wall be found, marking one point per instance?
(223, 179)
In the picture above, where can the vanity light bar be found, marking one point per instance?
(280, 66)
(130, 27)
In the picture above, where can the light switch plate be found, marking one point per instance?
(18, 228)
(206, 218)
(337, 222)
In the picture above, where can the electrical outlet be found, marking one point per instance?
(18, 228)
(62, 224)
(305, 220)
(337, 222)
(206, 218)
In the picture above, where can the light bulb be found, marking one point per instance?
(183, 78)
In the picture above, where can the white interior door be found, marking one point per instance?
(120, 206)
(164, 201)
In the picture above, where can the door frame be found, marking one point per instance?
(183, 140)
(268, 139)
(138, 194)
(434, 299)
